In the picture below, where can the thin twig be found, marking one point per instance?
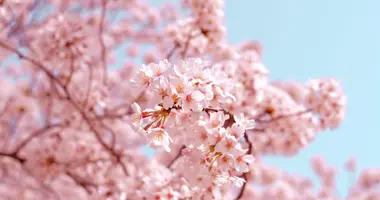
(80, 182)
(172, 51)
(101, 40)
(34, 135)
(284, 116)
(176, 157)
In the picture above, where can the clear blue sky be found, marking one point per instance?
(313, 38)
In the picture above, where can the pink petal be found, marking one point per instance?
(197, 95)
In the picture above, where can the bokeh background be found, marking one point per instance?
(314, 38)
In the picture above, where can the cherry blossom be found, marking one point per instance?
(74, 124)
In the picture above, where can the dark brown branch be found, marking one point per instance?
(176, 157)
(228, 122)
(80, 182)
(13, 156)
(242, 189)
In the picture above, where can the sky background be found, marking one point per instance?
(315, 38)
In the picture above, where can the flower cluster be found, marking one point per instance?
(202, 31)
(327, 98)
(208, 16)
(64, 40)
(189, 86)
(215, 156)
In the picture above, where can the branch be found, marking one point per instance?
(176, 157)
(21, 161)
(172, 51)
(31, 60)
(80, 182)
(285, 116)
(101, 40)
(33, 135)
(6, 107)
(187, 44)
(98, 136)
(242, 189)
(13, 156)
(228, 122)
(245, 177)
(71, 101)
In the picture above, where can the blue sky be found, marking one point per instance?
(305, 39)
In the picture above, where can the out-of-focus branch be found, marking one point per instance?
(6, 107)
(172, 51)
(34, 135)
(13, 156)
(78, 108)
(101, 40)
(82, 183)
(31, 60)
(176, 157)
(284, 116)
(21, 161)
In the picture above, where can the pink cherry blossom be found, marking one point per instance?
(159, 138)
(136, 116)
(242, 162)
(74, 123)
(228, 145)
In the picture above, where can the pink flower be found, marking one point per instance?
(144, 77)
(164, 92)
(160, 68)
(159, 138)
(217, 119)
(229, 145)
(225, 162)
(216, 135)
(136, 116)
(236, 131)
(237, 181)
(245, 123)
(242, 163)
(180, 85)
(200, 136)
(192, 101)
